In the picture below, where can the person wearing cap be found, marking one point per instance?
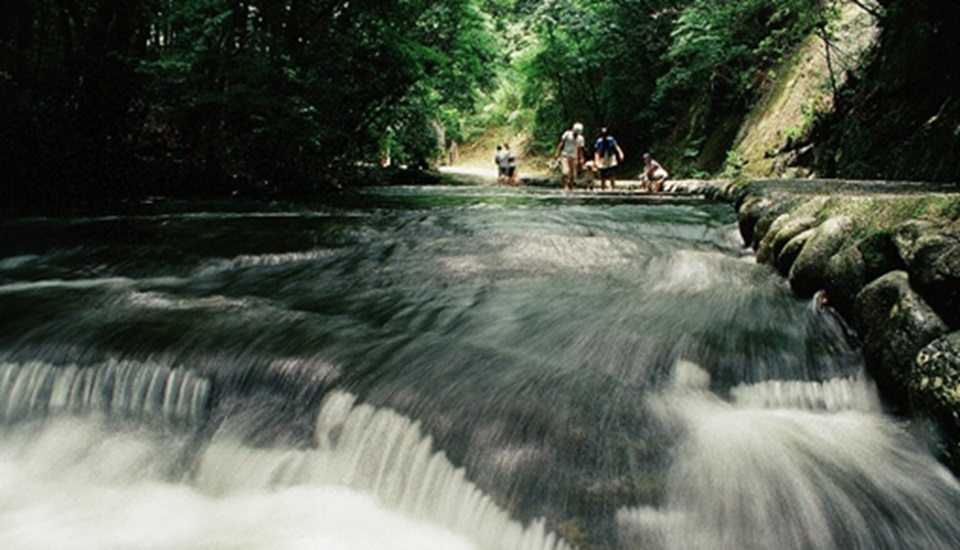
(570, 152)
(607, 154)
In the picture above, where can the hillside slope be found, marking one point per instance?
(901, 119)
(775, 138)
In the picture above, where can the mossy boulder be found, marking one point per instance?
(934, 267)
(807, 274)
(853, 267)
(784, 228)
(895, 323)
(907, 235)
(934, 386)
(788, 254)
(757, 214)
(844, 278)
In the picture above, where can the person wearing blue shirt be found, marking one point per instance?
(607, 154)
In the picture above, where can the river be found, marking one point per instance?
(436, 367)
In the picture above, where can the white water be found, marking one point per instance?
(143, 391)
(801, 465)
(372, 481)
(80, 487)
(528, 333)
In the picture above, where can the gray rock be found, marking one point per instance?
(781, 232)
(934, 389)
(936, 380)
(906, 235)
(765, 248)
(935, 273)
(749, 214)
(844, 278)
(757, 214)
(807, 272)
(850, 269)
(788, 254)
(895, 323)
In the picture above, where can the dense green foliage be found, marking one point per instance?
(112, 99)
(104, 99)
(661, 73)
(900, 119)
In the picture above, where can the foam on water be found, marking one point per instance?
(80, 487)
(802, 465)
(69, 479)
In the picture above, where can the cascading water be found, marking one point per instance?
(447, 367)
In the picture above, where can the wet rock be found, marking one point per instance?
(895, 324)
(934, 269)
(764, 249)
(850, 269)
(934, 386)
(936, 381)
(784, 228)
(844, 278)
(779, 207)
(758, 213)
(908, 234)
(748, 216)
(807, 272)
(880, 254)
(788, 254)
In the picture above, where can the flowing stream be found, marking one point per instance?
(436, 368)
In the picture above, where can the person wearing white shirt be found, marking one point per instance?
(570, 153)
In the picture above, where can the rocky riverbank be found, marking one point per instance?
(887, 256)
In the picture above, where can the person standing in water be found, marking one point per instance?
(607, 154)
(501, 161)
(570, 153)
(513, 178)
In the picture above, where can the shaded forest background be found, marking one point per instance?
(110, 100)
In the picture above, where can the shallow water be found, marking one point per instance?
(444, 367)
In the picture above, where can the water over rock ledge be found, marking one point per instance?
(888, 257)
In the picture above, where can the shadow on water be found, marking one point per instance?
(467, 366)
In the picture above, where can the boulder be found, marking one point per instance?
(807, 272)
(895, 323)
(935, 273)
(756, 215)
(880, 254)
(785, 228)
(850, 269)
(906, 235)
(934, 388)
(936, 380)
(788, 254)
(748, 215)
(844, 278)
(765, 248)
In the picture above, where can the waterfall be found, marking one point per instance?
(387, 453)
(438, 368)
(358, 447)
(794, 465)
(128, 389)
(380, 452)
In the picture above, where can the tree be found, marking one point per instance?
(108, 99)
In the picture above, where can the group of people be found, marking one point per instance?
(506, 160)
(607, 156)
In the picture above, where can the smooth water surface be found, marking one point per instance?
(444, 367)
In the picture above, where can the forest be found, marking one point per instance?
(105, 100)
